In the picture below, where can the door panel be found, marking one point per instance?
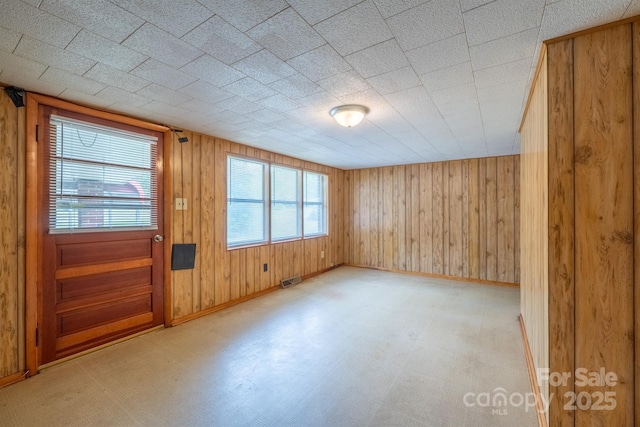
(96, 285)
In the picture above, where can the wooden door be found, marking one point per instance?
(101, 269)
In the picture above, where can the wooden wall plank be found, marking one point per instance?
(492, 218)
(506, 218)
(636, 180)
(10, 224)
(400, 260)
(484, 230)
(465, 219)
(446, 218)
(426, 189)
(561, 220)
(374, 227)
(207, 230)
(455, 215)
(414, 216)
(194, 205)
(388, 206)
(438, 219)
(474, 219)
(604, 216)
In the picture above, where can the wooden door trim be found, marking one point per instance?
(33, 293)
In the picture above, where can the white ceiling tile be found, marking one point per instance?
(71, 81)
(84, 98)
(633, 9)
(394, 81)
(381, 58)
(455, 75)
(157, 72)
(25, 19)
(507, 49)
(314, 11)
(250, 89)
(265, 116)
(502, 18)
(114, 95)
(8, 39)
(459, 94)
(355, 29)
(264, 67)
(389, 8)
(176, 17)
(55, 56)
(321, 101)
(19, 79)
(206, 92)
(232, 117)
(200, 107)
(163, 94)
(153, 42)
(98, 48)
(513, 71)
(117, 78)
(472, 4)
(101, 16)
(286, 35)
(279, 103)
(245, 14)
(238, 105)
(295, 86)
(222, 41)
(513, 89)
(438, 55)
(427, 23)
(565, 17)
(17, 64)
(320, 63)
(213, 71)
(344, 84)
(166, 111)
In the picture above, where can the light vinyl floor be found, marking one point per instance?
(352, 347)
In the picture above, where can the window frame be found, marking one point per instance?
(324, 203)
(298, 203)
(265, 201)
(268, 213)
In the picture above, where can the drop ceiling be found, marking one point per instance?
(444, 79)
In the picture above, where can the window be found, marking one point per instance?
(246, 202)
(285, 203)
(315, 204)
(101, 178)
(271, 203)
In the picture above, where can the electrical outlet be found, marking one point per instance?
(265, 268)
(321, 254)
(181, 204)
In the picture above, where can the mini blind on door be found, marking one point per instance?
(100, 178)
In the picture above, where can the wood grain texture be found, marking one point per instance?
(427, 218)
(11, 237)
(636, 180)
(603, 153)
(561, 178)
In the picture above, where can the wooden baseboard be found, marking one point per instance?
(12, 379)
(210, 310)
(542, 416)
(439, 276)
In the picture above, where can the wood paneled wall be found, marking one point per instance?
(457, 218)
(591, 267)
(534, 248)
(12, 237)
(220, 276)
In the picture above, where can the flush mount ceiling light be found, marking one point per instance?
(349, 115)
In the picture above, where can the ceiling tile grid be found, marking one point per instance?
(443, 79)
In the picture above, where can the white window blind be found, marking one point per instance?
(285, 203)
(315, 204)
(246, 202)
(100, 178)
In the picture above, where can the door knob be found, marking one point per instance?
(158, 238)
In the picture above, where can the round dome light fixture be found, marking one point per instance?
(349, 115)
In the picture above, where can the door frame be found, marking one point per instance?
(33, 281)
